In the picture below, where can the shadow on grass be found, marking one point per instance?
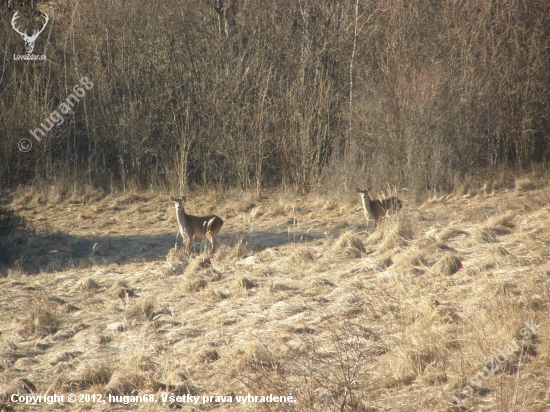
(36, 253)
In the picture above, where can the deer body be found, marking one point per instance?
(377, 209)
(195, 227)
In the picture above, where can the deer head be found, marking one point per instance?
(29, 40)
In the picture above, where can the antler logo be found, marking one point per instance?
(29, 40)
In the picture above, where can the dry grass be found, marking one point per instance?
(524, 184)
(448, 265)
(350, 244)
(41, 321)
(398, 319)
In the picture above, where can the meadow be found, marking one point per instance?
(299, 301)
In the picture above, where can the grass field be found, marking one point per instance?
(445, 301)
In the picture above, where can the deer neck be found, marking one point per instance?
(182, 217)
(366, 206)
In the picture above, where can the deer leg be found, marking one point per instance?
(214, 242)
(176, 244)
(187, 243)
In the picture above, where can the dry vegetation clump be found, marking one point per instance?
(350, 245)
(503, 220)
(524, 184)
(410, 261)
(489, 234)
(451, 233)
(86, 285)
(201, 265)
(207, 356)
(234, 250)
(193, 285)
(396, 232)
(418, 357)
(402, 225)
(498, 250)
(90, 373)
(177, 260)
(385, 260)
(448, 265)
(244, 283)
(256, 355)
(433, 375)
(302, 256)
(120, 289)
(21, 386)
(41, 321)
(197, 275)
(143, 308)
(279, 286)
(133, 379)
(125, 383)
(390, 241)
(446, 313)
(130, 199)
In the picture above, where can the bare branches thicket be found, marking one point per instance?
(302, 94)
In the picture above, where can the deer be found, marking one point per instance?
(377, 209)
(195, 227)
(29, 40)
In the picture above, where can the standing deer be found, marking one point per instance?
(29, 40)
(377, 209)
(192, 227)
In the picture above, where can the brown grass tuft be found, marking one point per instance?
(385, 261)
(86, 285)
(177, 255)
(243, 283)
(489, 234)
(389, 241)
(193, 285)
(350, 244)
(451, 233)
(41, 321)
(209, 356)
(524, 184)
(302, 255)
(91, 373)
(127, 382)
(448, 265)
(20, 386)
(121, 290)
(235, 250)
(498, 250)
(504, 220)
(433, 375)
(419, 357)
(143, 308)
(278, 286)
(198, 264)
